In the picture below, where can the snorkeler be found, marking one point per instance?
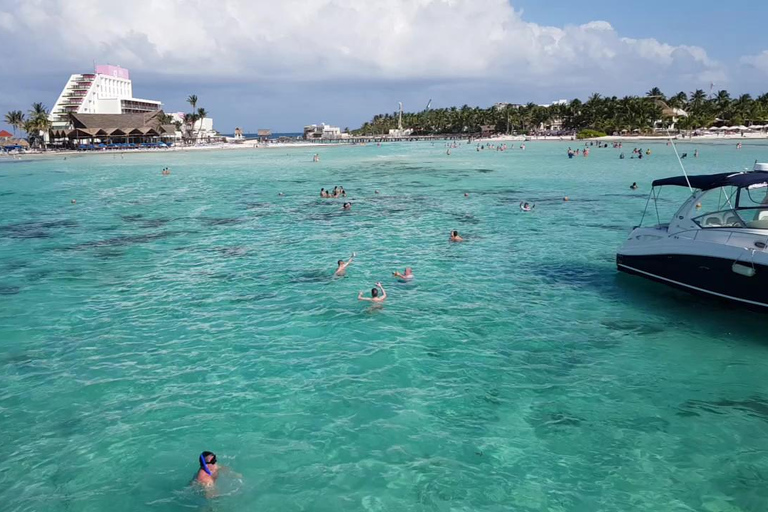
(342, 268)
(407, 276)
(209, 470)
(455, 237)
(375, 297)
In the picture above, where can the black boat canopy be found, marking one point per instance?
(710, 181)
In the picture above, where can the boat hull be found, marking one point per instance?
(746, 284)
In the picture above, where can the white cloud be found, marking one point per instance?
(758, 62)
(334, 39)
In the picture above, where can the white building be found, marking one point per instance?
(323, 131)
(202, 129)
(106, 91)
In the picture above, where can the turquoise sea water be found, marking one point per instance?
(162, 316)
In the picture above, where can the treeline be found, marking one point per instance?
(605, 114)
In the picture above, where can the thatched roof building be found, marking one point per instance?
(140, 127)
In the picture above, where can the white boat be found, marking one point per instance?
(715, 244)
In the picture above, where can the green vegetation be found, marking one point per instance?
(606, 114)
(590, 134)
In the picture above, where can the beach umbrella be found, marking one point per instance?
(742, 127)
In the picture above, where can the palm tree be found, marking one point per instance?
(655, 93)
(15, 119)
(697, 99)
(192, 100)
(201, 113)
(38, 123)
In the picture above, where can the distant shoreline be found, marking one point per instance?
(286, 145)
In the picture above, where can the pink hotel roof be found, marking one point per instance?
(110, 70)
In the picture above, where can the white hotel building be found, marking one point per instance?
(106, 91)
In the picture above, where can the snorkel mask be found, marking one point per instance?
(204, 465)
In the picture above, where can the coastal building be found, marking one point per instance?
(502, 105)
(323, 131)
(201, 130)
(264, 135)
(5, 135)
(487, 130)
(108, 90)
(136, 128)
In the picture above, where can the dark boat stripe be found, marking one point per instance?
(678, 283)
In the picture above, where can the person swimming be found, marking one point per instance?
(633, 186)
(347, 206)
(209, 470)
(375, 297)
(455, 237)
(527, 207)
(342, 268)
(406, 276)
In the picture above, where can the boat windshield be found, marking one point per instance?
(733, 207)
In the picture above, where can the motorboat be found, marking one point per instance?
(715, 245)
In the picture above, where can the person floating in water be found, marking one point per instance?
(347, 206)
(342, 268)
(375, 297)
(316, 158)
(633, 186)
(527, 207)
(455, 237)
(406, 276)
(208, 473)
(621, 156)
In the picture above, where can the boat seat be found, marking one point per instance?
(713, 221)
(758, 224)
(732, 220)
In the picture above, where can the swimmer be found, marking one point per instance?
(407, 276)
(208, 472)
(375, 191)
(566, 198)
(698, 206)
(322, 192)
(466, 194)
(280, 194)
(696, 154)
(316, 158)
(527, 207)
(342, 269)
(455, 237)
(347, 206)
(633, 186)
(448, 152)
(74, 201)
(375, 297)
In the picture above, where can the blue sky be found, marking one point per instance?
(726, 29)
(280, 65)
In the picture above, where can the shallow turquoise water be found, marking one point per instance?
(162, 316)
